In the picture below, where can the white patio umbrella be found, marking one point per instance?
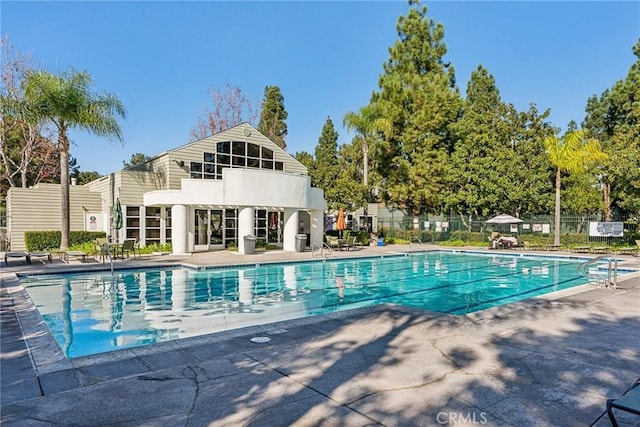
(504, 219)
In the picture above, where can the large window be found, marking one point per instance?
(233, 154)
(152, 225)
(133, 222)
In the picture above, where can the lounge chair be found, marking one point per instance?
(494, 241)
(41, 254)
(628, 402)
(20, 254)
(74, 254)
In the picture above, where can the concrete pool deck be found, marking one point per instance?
(552, 360)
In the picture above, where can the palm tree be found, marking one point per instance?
(571, 154)
(68, 102)
(368, 124)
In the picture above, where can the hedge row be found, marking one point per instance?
(50, 239)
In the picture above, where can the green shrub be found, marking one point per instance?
(44, 240)
(154, 247)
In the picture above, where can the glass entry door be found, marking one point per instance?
(200, 229)
(208, 229)
(216, 236)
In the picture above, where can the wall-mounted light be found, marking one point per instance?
(179, 162)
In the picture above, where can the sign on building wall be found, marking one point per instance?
(94, 221)
(606, 229)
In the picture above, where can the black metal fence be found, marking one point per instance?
(574, 229)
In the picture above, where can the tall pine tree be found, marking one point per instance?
(326, 170)
(473, 177)
(272, 118)
(418, 95)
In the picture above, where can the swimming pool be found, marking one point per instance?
(90, 313)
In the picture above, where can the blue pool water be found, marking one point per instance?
(90, 313)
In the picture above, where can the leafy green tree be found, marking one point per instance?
(306, 159)
(522, 163)
(85, 177)
(581, 196)
(272, 118)
(474, 178)
(352, 193)
(325, 169)
(614, 119)
(571, 154)
(368, 125)
(136, 159)
(418, 96)
(68, 101)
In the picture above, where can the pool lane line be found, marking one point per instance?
(384, 299)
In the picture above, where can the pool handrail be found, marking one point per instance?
(612, 273)
(317, 247)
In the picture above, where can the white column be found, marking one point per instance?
(179, 228)
(317, 227)
(245, 226)
(290, 229)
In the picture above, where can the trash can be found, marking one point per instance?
(301, 242)
(249, 244)
(380, 241)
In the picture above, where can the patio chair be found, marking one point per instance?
(628, 402)
(349, 242)
(102, 248)
(333, 242)
(494, 241)
(129, 246)
(19, 254)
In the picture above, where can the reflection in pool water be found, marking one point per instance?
(90, 313)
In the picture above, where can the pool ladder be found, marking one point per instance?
(415, 239)
(318, 250)
(591, 270)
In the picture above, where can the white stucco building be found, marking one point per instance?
(205, 195)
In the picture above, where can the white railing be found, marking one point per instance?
(318, 250)
(592, 270)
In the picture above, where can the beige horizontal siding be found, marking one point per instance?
(132, 184)
(39, 208)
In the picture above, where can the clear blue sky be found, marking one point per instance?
(161, 58)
